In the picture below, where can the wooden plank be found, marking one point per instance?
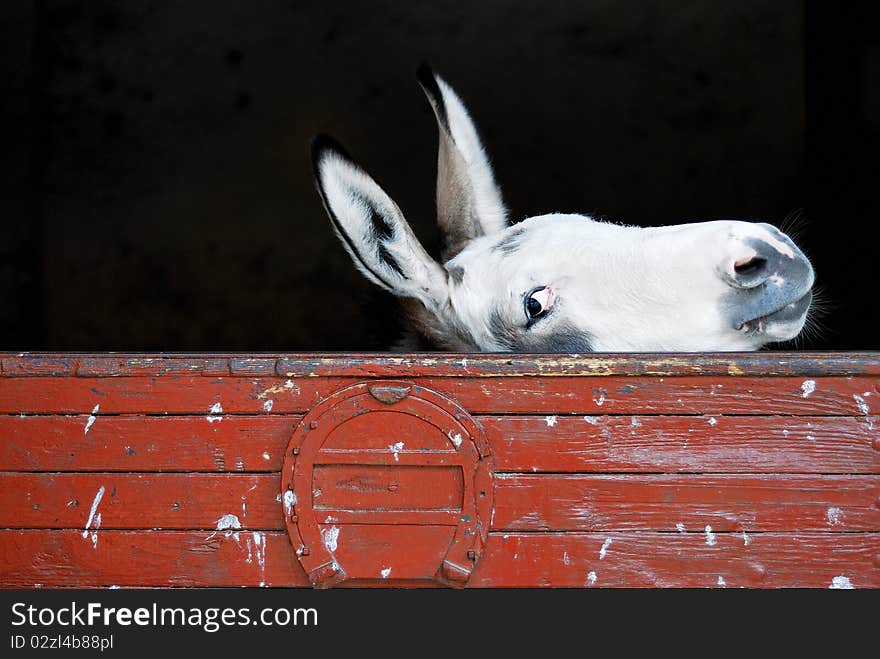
(179, 394)
(553, 502)
(140, 501)
(699, 502)
(719, 444)
(672, 395)
(170, 394)
(385, 365)
(155, 365)
(144, 443)
(64, 559)
(672, 560)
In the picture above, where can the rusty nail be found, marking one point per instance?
(294, 519)
(313, 424)
(304, 551)
(471, 554)
(392, 487)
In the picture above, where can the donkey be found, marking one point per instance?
(560, 282)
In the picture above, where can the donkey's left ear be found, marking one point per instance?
(469, 202)
(373, 230)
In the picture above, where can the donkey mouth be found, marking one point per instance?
(792, 313)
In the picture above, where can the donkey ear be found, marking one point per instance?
(372, 228)
(469, 202)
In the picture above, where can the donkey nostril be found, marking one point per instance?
(749, 266)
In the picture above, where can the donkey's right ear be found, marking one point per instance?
(469, 202)
(373, 230)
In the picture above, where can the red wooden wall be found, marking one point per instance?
(756, 470)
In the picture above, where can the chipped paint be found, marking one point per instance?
(634, 422)
(331, 538)
(861, 404)
(604, 550)
(95, 502)
(267, 405)
(565, 559)
(713, 421)
(289, 386)
(289, 502)
(834, 515)
(592, 420)
(455, 439)
(807, 387)
(550, 421)
(226, 523)
(721, 582)
(710, 537)
(600, 401)
(746, 539)
(385, 572)
(266, 455)
(215, 413)
(591, 578)
(680, 527)
(91, 420)
(396, 448)
(841, 583)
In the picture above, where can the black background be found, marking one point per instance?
(157, 192)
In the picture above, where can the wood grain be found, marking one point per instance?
(718, 444)
(185, 394)
(553, 502)
(64, 559)
(394, 365)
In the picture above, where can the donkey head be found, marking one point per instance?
(560, 282)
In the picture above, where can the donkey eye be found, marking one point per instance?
(538, 303)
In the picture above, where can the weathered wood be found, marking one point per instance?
(59, 559)
(385, 365)
(180, 394)
(140, 501)
(672, 560)
(754, 503)
(766, 502)
(144, 443)
(758, 470)
(719, 444)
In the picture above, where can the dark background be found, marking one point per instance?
(157, 192)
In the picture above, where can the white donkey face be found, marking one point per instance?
(560, 283)
(566, 283)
